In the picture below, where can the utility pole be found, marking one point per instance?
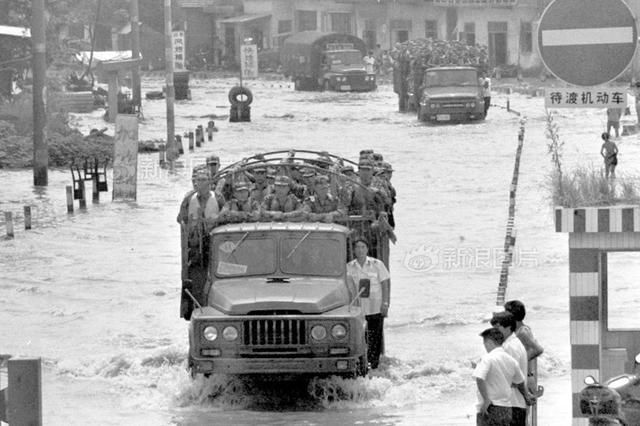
(135, 52)
(168, 59)
(39, 65)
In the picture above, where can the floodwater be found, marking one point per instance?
(96, 293)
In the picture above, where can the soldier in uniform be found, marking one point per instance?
(261, 187)
(241, 207)
(322, 206)
(385, 178)
(201, 216)
(282, 204)
(366, 200)
(184, 206)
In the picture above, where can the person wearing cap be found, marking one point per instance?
(322, 206)
(367, 199)
(384, 181)
(282, 204)
(184, 206)
(241, 207)
(213, 164)
(201, 217)
(271, 177)
(305, 188)
(261, 187)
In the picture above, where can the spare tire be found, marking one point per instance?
(240, 96)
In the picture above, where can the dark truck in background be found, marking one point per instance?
(451, 94)
(326, 61)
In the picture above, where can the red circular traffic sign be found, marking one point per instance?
(587, 42)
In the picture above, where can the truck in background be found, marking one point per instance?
(326, 61)
(451, 94)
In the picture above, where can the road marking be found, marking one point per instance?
(581, 36)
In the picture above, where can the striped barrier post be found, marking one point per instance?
(69, 199)
(27, 217)
(8, 221)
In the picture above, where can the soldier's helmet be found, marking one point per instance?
(241, 185)
(365, 164)
(259, 167)
(321, 180)
(213, 159)
(282, 181)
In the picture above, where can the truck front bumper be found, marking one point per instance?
(317, 366)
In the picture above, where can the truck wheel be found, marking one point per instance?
(297, 84)
(191, 367)
(240, 96)
(325, 86)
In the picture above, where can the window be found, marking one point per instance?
(369, 34)
(526, 37)
(312, 256)
(431, 29)
(243, 254)
(623, 292)
(469, 33)
(285, 26)
(341, 23)
(306, 20)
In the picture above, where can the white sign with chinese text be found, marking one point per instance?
(125, 158)
(177, 38)
(596, 97)
(249, 60)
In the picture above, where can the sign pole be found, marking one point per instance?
(40, 148)
(168, 58)
(135, 52)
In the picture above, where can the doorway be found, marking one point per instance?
(497, 44)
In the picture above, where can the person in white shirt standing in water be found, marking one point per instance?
(376, 306)
(506, 324)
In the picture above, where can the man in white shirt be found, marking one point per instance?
(505, 323)
(369, 62)
(496, 374)
(486, 91)
(376, 306)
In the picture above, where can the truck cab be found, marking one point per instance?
(279, 301)
(451, 94)
(326, 61)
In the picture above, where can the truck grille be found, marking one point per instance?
(274, 332)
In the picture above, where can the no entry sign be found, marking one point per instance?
(587, 42)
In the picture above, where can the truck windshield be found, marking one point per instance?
(440, 78)
(312, 256)
(244, 254)
(345, 57)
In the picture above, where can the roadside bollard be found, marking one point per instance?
(201, 133)
(162, 154)
(69, 199)
(27, 217)
(8, 220)
(190, 141)
(179, 142)
(96, 194)
(198, 141)
(210, 132)
(83, 197)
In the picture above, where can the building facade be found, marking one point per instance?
(507, 27)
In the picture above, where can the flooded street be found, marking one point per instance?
(96, 293)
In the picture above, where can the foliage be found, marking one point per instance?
(427, 52)
(587, 186)
(554, 148)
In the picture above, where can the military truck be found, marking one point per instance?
(451, 94)
(276, 298)
(326, 61)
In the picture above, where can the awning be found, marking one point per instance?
(242, 19)
(15, 31)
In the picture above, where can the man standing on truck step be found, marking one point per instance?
(201, 216)
(376, 306)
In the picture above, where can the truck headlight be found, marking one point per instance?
(230, 333)
(433, 106)
(210, 333)
(338, 331)
(318, 332)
